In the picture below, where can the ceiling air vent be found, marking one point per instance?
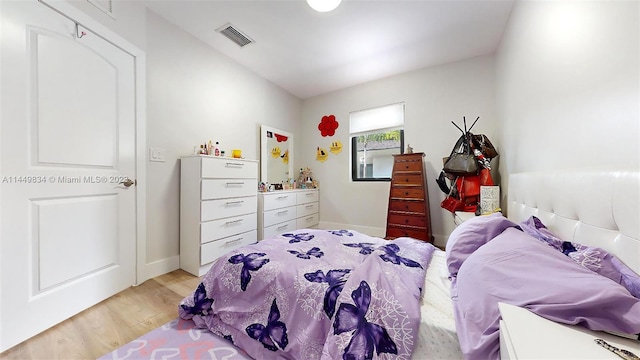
(235, 35)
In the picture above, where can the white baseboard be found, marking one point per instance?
(160, 267)
(440, 240)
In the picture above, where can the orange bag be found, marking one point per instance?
(468, 192)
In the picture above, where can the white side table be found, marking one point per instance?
(525, 335)
(461, 216)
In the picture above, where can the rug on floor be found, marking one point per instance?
(178, 339)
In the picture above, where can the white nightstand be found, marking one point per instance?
(461, 216)
(525, 335)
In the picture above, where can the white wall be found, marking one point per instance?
(128, 19)
(568, 86)
(566, 76)
(196, 94)
(433, 98)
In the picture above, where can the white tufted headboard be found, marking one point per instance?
(589, 207)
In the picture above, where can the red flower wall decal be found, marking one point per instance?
(281, 138)
(328, 125)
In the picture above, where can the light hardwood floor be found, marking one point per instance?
(111, 323)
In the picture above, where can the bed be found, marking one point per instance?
(329, 294)
(410, 314)
(568, 252)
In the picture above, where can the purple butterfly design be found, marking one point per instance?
(365, 248)
(201, 304)
(314, 251)
(391, 255)
(366, 336)
(273, 335)
(250, 263)
(538, 224)
(341, 232)
(298, 237)
(336, 280)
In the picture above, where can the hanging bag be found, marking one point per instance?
(453, 202)
(482, 143)
(461, 162)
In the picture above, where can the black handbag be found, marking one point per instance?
(461, 162)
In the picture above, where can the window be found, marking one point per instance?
(376, 135)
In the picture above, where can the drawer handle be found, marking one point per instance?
(232, 241)
(309, 218)
(282, 212)
(233, 221)
(234, 202)
(283, 226)
(231, 164)
(282, 197)
(309, 206)
(309, 194)
(235, 183)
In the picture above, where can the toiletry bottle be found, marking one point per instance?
(217, 149)
(210, 149)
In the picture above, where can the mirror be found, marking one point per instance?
(276, 155)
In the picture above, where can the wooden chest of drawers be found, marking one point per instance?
(408, 212)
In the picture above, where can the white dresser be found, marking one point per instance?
(218, 205)
(286, 210)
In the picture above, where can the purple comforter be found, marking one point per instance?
(315, 294)
(492, 260)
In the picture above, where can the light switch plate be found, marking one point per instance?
(156, 154)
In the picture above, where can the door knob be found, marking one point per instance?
(127, 182)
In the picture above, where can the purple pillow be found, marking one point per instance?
(517, 269)
(472, 234)
(595, 259)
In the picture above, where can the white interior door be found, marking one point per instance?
(67, 130)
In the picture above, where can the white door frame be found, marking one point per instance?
(81, 18)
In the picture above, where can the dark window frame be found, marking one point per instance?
(355, 163)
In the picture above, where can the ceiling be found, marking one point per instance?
(309, 53)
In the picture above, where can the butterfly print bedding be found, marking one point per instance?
(315, 294)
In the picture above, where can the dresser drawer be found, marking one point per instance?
(277, 201)
(229, 168)
(274, 230)
(304, 197)
(407, 179)
(217, 229)
(228, 188)
(214, 249)
(411, 165)
(395, 232)
(306, 209)
(407, 193)
(223, 208)
(275, 216)
(307, 221)
(406, 205)
(407, 220)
